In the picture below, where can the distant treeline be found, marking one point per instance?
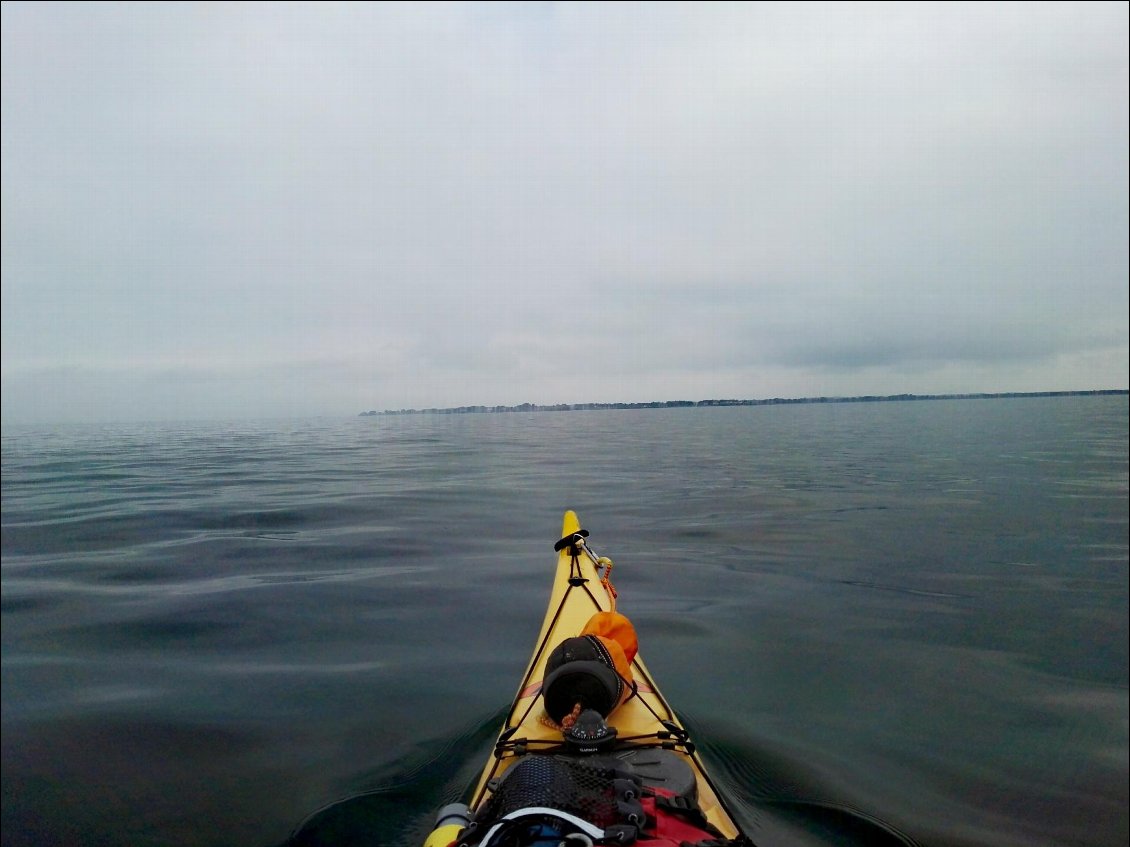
(773, 401)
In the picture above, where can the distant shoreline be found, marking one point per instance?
(774, 401)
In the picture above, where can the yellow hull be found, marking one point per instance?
(577, 594)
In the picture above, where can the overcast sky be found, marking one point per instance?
(223, 210)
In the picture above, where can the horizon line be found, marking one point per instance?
(771, 401)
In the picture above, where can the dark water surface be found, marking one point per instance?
(913, 614)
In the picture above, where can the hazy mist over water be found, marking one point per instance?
(287, 209)
(914, 613)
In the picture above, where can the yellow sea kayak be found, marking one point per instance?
(549, 768)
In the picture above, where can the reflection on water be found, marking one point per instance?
(895, 620)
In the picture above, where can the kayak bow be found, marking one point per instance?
(641, 734)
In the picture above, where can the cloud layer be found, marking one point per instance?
(264, 209)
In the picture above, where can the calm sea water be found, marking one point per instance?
(875, 618)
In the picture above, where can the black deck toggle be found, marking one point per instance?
(570, 540)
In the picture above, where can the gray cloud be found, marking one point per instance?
(428, 204)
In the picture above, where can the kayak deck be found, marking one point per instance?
(645, 720)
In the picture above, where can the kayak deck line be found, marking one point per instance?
(534, 689)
